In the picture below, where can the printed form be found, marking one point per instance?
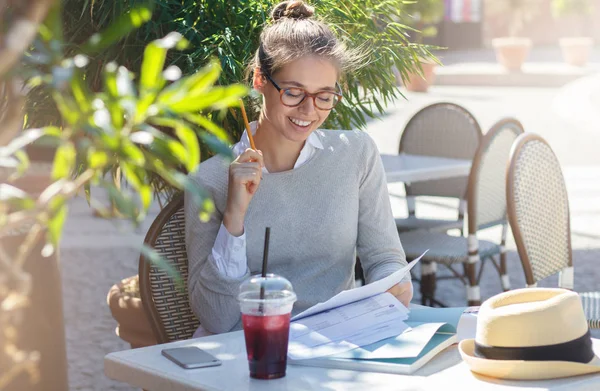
(353, 318)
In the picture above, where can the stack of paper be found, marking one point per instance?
(348, 327)
(351, 319)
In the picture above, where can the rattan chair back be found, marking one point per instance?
(445, 130)
(486, 193)
(166, 304)
(538, 210)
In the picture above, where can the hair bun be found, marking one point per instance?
(292, 10)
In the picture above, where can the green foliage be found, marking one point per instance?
(562, 8)
(141, 128)
(229, 30)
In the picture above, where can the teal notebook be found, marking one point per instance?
(432, 330)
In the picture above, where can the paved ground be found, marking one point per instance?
(96, 254)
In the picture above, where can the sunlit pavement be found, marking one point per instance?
(95, 253)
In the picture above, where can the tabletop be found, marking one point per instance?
(417, 168)
(148, 369)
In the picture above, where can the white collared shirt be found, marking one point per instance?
(229, 252)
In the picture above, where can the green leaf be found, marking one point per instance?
(97, 159)
(119, 29)
(210, 126)
(122, 202)
(194, 85)
(129, 171)
(217, 98)
(87, 188)
(217, 145)
(150, 255)
(146, 196)
(64, 161)
(80, 92)
(190, 142)
(132, 152)
(198, 195)
(151, 78)
(56, 224)
(23, 162)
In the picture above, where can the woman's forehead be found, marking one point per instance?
(309, 72)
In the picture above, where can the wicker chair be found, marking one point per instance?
(486, 208)
(167, 306)
(444, 130)
(538, 213)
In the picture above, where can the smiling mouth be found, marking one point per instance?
(300, 123)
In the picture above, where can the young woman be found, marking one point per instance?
(323, 193)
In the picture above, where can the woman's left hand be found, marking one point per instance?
(403, 292)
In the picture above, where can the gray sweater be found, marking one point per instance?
(322, 214)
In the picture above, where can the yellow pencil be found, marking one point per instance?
(247, 125)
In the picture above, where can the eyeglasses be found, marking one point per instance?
(294, 96)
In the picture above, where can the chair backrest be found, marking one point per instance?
(486, 192)
(167, 305)
(446, 130)
(538, 210)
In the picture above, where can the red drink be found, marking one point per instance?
(267, 344)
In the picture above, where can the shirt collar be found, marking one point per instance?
(313, 139)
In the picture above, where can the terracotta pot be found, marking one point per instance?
(511, 52)
(416, 82)
(576, 50)
(40, 327)
(128, 311)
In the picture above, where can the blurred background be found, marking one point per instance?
(535, 60)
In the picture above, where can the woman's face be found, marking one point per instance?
(311, 73)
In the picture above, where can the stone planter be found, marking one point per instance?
(418, 83)
(576, 50)
(511, 52)
(126, 307)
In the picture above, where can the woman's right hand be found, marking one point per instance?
(245, 174)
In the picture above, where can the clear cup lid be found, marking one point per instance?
(275, 289)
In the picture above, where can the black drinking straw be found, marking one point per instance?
(264, 266)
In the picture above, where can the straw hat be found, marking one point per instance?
(531, 334)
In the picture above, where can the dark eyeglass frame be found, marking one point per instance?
(306, 94)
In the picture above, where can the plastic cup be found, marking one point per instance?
(266, 324)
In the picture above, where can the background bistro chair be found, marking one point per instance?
(167, 306)
(538, 213)
(444, 130)
(486, 208)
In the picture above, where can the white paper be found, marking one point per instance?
(345, 328)
(363, 292)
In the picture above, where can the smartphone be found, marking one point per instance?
(190, 357)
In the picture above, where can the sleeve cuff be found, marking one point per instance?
(229, 253)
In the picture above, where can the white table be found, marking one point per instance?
(148, 369)
(416, 168)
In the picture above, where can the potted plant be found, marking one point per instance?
(115, 126)
(576, 49)
(512, 51)
(126, 307)
(423, 16)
